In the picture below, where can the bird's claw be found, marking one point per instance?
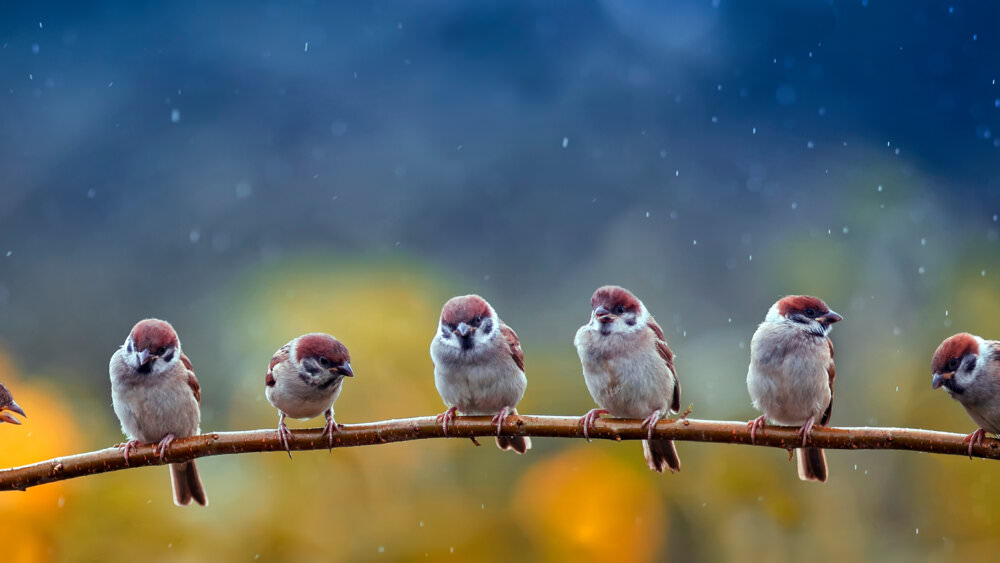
(755, 425)
(806, 431)
(284, 434)
(127, 448)
(161, 447)
(651, 421)
(500, 418)
(445, 418)
(975, 439)
(330, 428)
(588, 420)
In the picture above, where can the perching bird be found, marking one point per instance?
(478, 366)
(304, 379)
(157, 399)
(791, 373)
(629, 369)
(968, 367)
(7, 404)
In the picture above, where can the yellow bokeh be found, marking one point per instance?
(48, 431)
(582, 504)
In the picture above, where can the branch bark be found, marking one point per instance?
(401, 430)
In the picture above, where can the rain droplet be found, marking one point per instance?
(921, 270)
(175, 115)
(305, 49)
(565, 142)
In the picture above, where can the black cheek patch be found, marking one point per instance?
(487, 326)
(168, 357)
(445, 333)
(630, 321)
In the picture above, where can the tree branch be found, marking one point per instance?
(221, 443)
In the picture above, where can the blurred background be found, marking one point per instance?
(253, 171)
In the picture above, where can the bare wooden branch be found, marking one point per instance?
(221, 443)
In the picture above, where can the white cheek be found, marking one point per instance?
(130, 360)
(483, 337)
(451, 341)
(161, 367)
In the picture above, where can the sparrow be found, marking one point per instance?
(629, 369)
(791, 373)
(968, 367)
(304, 379)
(478, 366)
(7, 404)
(157, 398)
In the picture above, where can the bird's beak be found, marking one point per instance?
(603, 315)
(143, 357)
(830, 318)
(940, 379)
(464, 329)
(345, 369)
(11, 407)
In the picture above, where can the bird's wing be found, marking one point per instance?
(192, 380)
(280, 356)
(514, 343)
(668, 358)
(831, 372)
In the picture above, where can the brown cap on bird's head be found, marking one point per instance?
(465, 309)
(153, 335)
(807, 306)
(326, 350)
(609, 301)
(948, 357)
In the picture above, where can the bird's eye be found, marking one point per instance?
(953, 364)
(479, 319)
(324, 362)
(619, 310)
(810, 312)
(161, 350)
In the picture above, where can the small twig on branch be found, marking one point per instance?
(221, 443)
